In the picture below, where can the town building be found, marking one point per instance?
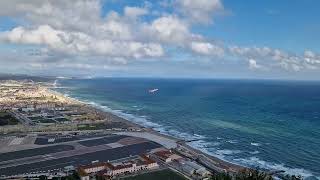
(193, 168)
(143, 162)
(167, 156)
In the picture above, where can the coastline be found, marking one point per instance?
(95, 114)
(162, 131)
(220, 163)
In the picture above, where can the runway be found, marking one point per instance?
(49, 158)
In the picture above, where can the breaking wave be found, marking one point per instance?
(256, 162)
(202, 145)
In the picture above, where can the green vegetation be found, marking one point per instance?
(44, 120)
(288, 177)
(250, 175)
(40, 119)
(253, 175)
(35, 118)
(61, 119)
(91, 126)
(73, 176)
(158, 175)
(7, 119)
(221, 176)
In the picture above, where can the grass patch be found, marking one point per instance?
(7, 119)
(35, 118)
(61, 119)
(44, 120)
(166, 174)
(91, 126)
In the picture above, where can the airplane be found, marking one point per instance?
(153, 90)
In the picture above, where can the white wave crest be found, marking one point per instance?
(256, 162)
(228, 152)
(255, 144)
(254, 152)
(202, 145)
(232, 141)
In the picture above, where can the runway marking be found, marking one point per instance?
(70, 162)
(16, 141)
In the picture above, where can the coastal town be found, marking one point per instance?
(46, 134)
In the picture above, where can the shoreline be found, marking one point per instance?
(226, 164)
(93, 114)
(232, 167)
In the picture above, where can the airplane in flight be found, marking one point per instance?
(153, 90)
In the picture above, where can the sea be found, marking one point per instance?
(264, 124)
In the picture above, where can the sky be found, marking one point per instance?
(268, 39)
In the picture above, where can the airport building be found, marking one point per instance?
(167, 156)
(144, 162)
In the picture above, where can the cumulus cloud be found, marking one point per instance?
(80, 43)
(253, 64)
(15, 7)
(175, 31)
(169, 29)
(85, 32)
(277, 58)
(199, 11)
(42, 35)
(134, 12)
(206, 48)
(76, 32)
(311, 58)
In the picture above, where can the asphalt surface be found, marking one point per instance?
(34, 152)
(83, 159)
(43, 139)
(105, 140)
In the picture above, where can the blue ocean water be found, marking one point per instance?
(265, 124)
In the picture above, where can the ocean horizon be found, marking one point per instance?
(264, 124)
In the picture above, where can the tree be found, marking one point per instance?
(221, 176)
(43, 177)
(250, 174)
(293, 177)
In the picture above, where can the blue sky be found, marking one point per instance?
(167, 38)
(292, 25)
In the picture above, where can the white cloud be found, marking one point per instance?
(309, 54)
(199, 11)
(76, 28)
(253, 64)
(169, 29)
(75, 32)
(85, 32)
(42, 35)
(277, 58)
(14, 7)
(312, 59)
(206, 48)
(77, 43)
(134, 12)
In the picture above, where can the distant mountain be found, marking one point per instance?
(24, 77)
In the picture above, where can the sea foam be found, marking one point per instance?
(255, 144)
(201, 144)
(256, 162)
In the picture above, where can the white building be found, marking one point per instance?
(109, 169)
(167, 156)
(93, 168)
(192, 167)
